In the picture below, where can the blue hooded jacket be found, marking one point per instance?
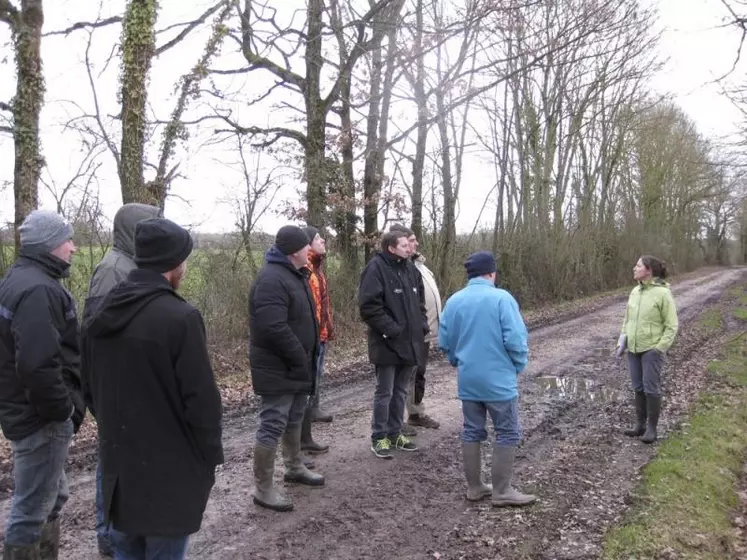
(484, 336)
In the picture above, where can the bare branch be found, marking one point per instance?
(257, 61)
(739, 22)
(191, 26)
(6, 129)
(85, 25)
(8, 13)
(277, 133)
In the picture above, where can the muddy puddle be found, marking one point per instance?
(576, 388)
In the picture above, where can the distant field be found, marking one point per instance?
(202, 266)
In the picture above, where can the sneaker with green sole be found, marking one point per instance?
(403, 443)
(382, 448)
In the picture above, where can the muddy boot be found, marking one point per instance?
(640, 416)
(105, 546)
(408, 430)
(653, 408)
(265, 494)
(423, 420)
(502, 470)
(308, 445)
(19, 552)
(320, 415)
(295, 471)
(472, 462)
(49, 545)
(308, 462)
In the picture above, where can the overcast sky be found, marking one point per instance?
(697, 47)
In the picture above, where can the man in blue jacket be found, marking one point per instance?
(485, 338)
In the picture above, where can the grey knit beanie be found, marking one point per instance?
(43, 231)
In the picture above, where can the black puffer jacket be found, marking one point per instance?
(39, 355)
(392, 304)
(283, 331)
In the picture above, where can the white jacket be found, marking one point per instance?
(432, 298)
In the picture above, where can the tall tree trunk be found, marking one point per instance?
(138, 48)
(371, 178)
(26, 107)
(315, 117)
(345, 216)
(422, 131)
(449, 227)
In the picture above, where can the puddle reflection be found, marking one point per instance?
(576, 388)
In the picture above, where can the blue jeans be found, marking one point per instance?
(277, 413)
(127, 547)
(314, 399)
(505, 416)
(40, 483)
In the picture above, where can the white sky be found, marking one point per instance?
(697, 50)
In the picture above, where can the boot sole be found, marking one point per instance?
(304, 481)
(512, 504)
(479, 498)
(327, 420)
(417, 425)
(314, 450)
(260, 503)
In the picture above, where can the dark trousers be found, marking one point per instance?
(416, 391)
(645, 372)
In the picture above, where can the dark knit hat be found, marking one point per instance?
(291, 239)
(161, 245)
(480, 263)
(311, 232)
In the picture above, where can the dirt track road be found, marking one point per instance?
(574, 399)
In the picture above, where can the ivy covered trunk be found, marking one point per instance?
(26, 106)
(138, 48)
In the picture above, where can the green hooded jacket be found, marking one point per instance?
(650, 318)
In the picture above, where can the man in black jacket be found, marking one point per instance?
(391, 304)
(283, 348)
(113, 269)
(148, 377)
(41, 403)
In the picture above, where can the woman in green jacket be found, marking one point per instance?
(648, 331)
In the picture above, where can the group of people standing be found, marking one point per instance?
(139, 362)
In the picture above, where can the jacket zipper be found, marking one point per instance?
(638, 314)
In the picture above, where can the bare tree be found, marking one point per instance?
(26, 27)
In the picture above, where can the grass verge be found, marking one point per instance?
(688, 494)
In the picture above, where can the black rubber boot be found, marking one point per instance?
(653, 409)
(295, 471)
(308, 445)
(18, 552)
(49, 547)
(640, 416)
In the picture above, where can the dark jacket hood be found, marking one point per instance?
(125, 220)
(125, 301)
(275, 256)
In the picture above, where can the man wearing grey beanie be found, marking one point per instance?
(41, 402)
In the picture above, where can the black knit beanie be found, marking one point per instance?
(291, 239)
(161, 245)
